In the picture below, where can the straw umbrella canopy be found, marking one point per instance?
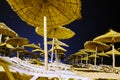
(102, 54)
(96, 46)
(85, 59)
(38, 50)
(92, 45)
(57, 13)
(116, 52)
(57, 42)
(5, 30)
(32, 46)
(80, 54)
(4, 48)
(17, 49)
(58, 50)
(6, 45)
(93, 56)
(87, 50)
(110, 37)
(17, 41)
(56, 32)
(20, 41)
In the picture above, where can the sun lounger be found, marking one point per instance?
(20, 66)
(110, 69)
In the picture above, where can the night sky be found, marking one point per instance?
(98, 16)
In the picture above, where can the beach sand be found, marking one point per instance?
(98, 75)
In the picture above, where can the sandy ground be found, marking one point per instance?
(99, 75)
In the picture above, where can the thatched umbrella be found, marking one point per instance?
(5, 30)
(57, 42)
(38, 50)
(116, 52)
(56, 33)
(110, 37)
(17, 42)
(87, 51)
(58, 50)
(102, 54)
(6, 44)
(32, 46)
(80, 53)
(96, 46)
(85, 59)
(57, 13)
(4, 48)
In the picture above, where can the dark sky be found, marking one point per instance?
(98, 16)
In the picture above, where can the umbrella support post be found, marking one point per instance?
(102, 60)
(52, 51)
(45, 43)
(95, 57)
(17, 52)
(0, 38)
(81, 60)
(113, 56)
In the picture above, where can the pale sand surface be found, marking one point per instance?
(99, 75)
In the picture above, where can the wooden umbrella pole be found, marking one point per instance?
(113, 56)
(17, 52)
(87, 59)
(0, 38)
(45, 43)
(81, 60)
(95, 57)
(56, 55)
(102, 60)
(52, 50)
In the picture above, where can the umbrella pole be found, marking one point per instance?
(0, 38)
(45, 43)
(102, 60)
(17, 52)
(95, 57)
(87, 59)
(113, 56)
(81, 60)
(52, 50)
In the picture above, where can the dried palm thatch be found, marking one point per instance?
(58, 12)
